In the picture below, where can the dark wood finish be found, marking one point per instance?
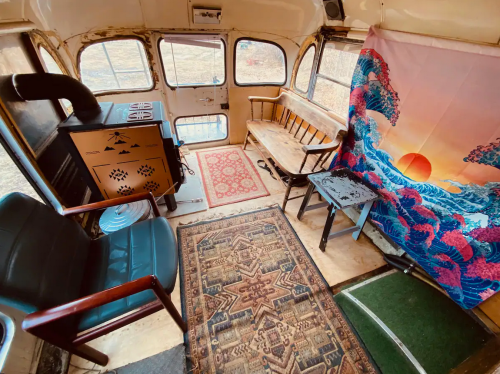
(337, 288)
(140, 313)
(328, 227)
(170, 202)
(39, 323)
(114, 202)
(485, 361)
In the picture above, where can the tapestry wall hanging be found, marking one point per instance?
(424, 130)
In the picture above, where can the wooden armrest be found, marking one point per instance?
(321, 148)
(44, 317)
(114, 202)
(260, 99)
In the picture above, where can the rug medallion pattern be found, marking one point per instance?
(229, 176)
(256, 303)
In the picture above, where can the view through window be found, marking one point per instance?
(259, 63)
(193, 60)
(304, 72)
(199, 129)
(12, 180)
(115, 65)
(333, 82)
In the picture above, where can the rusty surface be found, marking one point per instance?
(144, 36)
(41, 39)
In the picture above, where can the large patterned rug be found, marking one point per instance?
(255, 302)
(229, 176)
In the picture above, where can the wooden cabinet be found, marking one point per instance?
(125, 160)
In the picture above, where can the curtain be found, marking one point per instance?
(424, 129)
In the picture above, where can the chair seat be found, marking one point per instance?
(145, 248)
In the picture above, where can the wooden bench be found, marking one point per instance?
(290, 136)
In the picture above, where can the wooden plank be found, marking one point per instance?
(491, 307)
(284, 149)
(485, 361)
(318, 118)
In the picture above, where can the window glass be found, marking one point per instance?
(115, 65)
(199, 129)
(333, 82)
(53, 68)
(12, 180)
(304, 72)
(338, 64)
(259, 63)
(332, 95)
(193, 60)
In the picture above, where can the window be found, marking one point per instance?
(53, 68)
(259, 63)
(193, 60)
(304, 72)
(115, 65)
(12, 179)
(333, 82)
(201, 129)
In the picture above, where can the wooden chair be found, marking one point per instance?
(74, 288)
(287, 136)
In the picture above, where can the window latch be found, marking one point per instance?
(207, 100)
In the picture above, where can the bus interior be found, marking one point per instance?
(220, 186)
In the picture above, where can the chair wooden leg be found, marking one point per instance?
(169, 306)
(246, 140)
(89, 353)
(83, 350)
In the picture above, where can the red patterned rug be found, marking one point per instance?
(255, 302)
(229, 176)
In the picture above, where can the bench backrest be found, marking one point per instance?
(316, 117)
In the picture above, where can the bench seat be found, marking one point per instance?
(285, 150)
(287, 136)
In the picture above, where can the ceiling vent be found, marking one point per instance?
(207, 15)
(334, 9)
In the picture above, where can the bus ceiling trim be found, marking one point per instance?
(16, 27)
(194, 41)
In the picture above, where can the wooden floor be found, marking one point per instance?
(344, 259)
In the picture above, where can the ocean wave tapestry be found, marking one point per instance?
(424, 129)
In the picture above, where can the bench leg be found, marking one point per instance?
(305, 202)
(246, 140)
(287, 192)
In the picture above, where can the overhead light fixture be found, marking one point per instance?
(207, 15)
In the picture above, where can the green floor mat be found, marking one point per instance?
(386, 354)
(438, 333)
